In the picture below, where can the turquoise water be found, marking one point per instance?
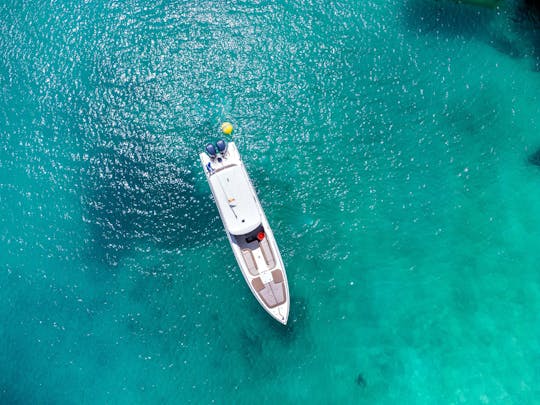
(389, 143)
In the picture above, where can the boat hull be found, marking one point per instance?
(250, 235)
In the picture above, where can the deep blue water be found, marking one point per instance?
(389, 143)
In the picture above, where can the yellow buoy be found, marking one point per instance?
(226, 128)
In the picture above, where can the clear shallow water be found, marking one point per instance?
(389, 145)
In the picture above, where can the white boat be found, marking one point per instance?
(247, 228)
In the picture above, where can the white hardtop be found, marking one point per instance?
(235, 199)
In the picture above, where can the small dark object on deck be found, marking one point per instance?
(360, 380)
(535, 158)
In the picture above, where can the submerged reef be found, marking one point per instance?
(532, 8)
(483, 3)
(532, 5)
(535, 158)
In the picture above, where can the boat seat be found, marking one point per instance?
(267, 253)
(257, 284)
(277, 276)
(250, 261)
(272, 294)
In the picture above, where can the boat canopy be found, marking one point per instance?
(235, 200)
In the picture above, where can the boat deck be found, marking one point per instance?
(257, 255)
(260, 261)
(273, 292)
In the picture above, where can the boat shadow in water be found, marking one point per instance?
(140, 177)
(137, 189)
(129, 199)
